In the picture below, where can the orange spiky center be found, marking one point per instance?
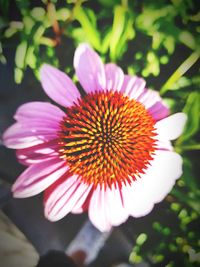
(107, 138)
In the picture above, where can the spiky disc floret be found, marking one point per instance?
(107, 138)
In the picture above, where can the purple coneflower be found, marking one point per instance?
(107, 151)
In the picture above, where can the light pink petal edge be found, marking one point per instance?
(38, 177)
(58, 86)
(154, 185)
(39, 111)
(29, 134)
(134, 87)
(38, 153)
(89, 69)
(171, 127)
(66, 195)
(114, 77)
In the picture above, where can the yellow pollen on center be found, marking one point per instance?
(107, 138)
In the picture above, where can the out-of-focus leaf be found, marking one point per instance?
(141, 239)
(38, 34)
(109, 3)
(106, 42)
(10, 32)
(2, 57)
(28, 24)
(4, 6)
(122, 31)
(188, 175)
(170, 102)
(23, 6)
(192, 109)
(18, 74)
(196, 17)
(187, 39)
(169, 44)
(135, 258)
(3, 23)
(20, 54)
(181, 83)
(157, 40)
(30, 57)
(184, 198)
(182, 69)
(153, 66)
(79, 35)
(14, 27)
(62, 14)
(90, 30)
(38, 13)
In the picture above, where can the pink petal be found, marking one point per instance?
(97, 210)
(29, 134)
(128, 84)
(133, 86)
(159, 111)
(39, 110)
(116, 212)
(154, 185)
(38, 177)
(114, 77)
(163, 144)
(89, 69)
(64, 196)
(38, 153)
(153, 102)
(58, 86)
(171, 127)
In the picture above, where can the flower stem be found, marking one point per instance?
(182, 69)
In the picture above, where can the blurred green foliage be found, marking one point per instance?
(145, 38)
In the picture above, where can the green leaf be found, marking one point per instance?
(179, 72)
(62, 14)
(106, 42)
(87, 24)
(188, 177)
(192, 109)
(38, 13)
(187, 39)
(122, 31)
(30, 57)
(2, 57)
(20, 54)
(141, 239)
(18, 74)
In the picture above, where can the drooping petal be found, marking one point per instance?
(58, 86)
(63, 196)
(171, 127)
(114, 77)
(38, 177)
(163, 144)
(116, 213)
(89, 69)
(29, 134)
(39, 111)
(38, 153)
(97, 210)
(154, 185)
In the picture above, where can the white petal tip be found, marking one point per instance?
(171, 128)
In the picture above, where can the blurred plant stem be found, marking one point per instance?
(182, 148)
(182, 69)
